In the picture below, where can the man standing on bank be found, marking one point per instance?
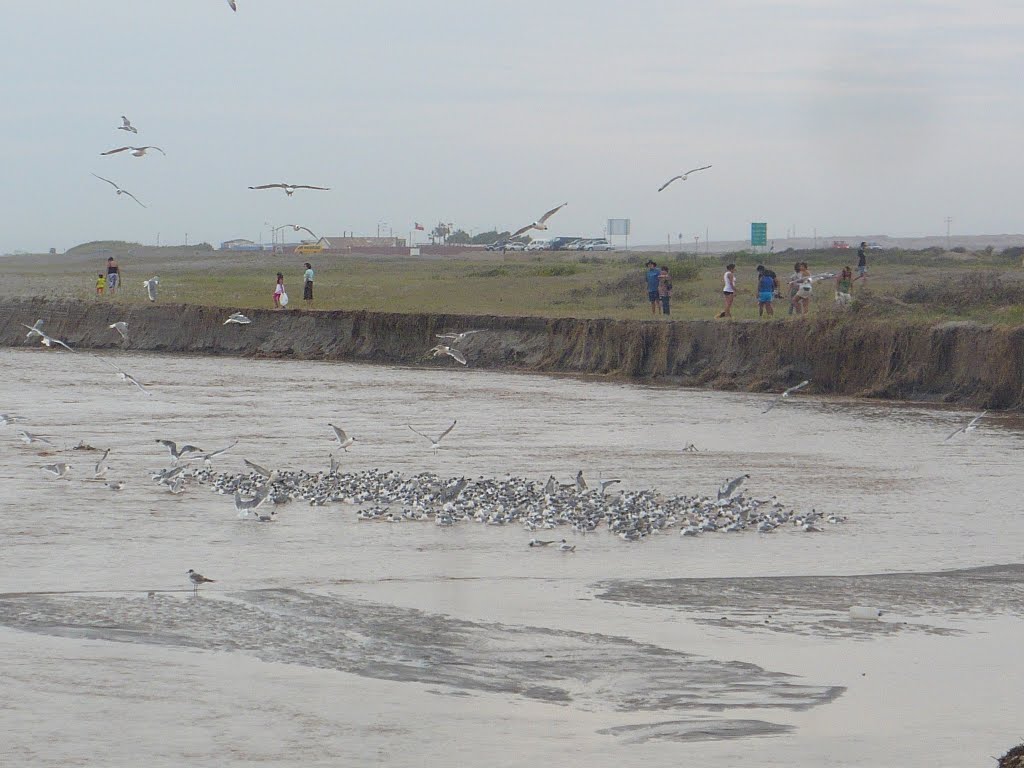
(653, 278)
(862, 263)
(307, 285)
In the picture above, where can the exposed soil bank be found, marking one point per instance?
(955, 362)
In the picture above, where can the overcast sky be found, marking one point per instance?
(861, 117)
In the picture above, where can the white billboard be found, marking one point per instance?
(618, 227)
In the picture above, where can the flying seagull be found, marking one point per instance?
(47, 340)
(36, 329)
(298, 227)
(121, 327)
(434, 442)
(150, 286)
(729, 487)
(541, 223)
(101, 466)
(239, 318)
(683, 176)
(197, 579)
(206, 458)
(969, 427)
(126, 125)
(786, 394)
(258, 469)
(28, 438)
(136, 151)
(8, 418)
(243, 505)
(119, 190)
(442, 349)
(175, 451)
(343, 440)
(124, 375)
(455, 338)
(57, 470)
(232, 5)
(289, 189)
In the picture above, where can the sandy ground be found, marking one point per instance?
(329, 641)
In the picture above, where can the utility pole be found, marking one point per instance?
(696, 245)
(949, 220)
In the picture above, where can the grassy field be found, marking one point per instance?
(931, 284)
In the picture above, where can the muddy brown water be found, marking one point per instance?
(329, 641)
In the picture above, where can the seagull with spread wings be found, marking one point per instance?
(136, 151)
(126, 125)
(119, 190)
(455, 338)
(969, 427)
(343, 439)
(121, 327)
(683, 176)
(434, 442)
(47, 340)
(540, 223)
(150, 286)
(289, 189)
(232, 5)
(238, 319)
(786, 394)
(298, 227)
(443, 349)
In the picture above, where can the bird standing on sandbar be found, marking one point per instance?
(197, 579)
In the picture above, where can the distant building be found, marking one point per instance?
(240, 245)
(347, 242)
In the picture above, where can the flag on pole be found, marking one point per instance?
(419, 227)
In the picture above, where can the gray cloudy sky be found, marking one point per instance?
(860, 117)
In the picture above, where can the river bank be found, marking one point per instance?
(957, 362)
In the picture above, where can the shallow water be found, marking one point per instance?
(326, 640)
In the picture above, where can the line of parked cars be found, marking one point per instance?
(556, 244)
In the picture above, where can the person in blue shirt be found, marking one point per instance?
(767, 285)
(653, 276)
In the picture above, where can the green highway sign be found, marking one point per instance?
(759, 233)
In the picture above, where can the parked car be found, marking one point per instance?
(307, 249)
(875, 247)
(599, 245)
(515, 246)
(539, 245)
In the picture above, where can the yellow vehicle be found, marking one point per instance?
(308, 248)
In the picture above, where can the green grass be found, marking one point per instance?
(551, 285)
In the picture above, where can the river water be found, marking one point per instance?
(330, 641)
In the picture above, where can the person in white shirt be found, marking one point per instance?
(729, 291)
(307, 285)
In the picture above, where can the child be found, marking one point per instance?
(278, 291)
(101, 284)
(844, 284)
(664, 290)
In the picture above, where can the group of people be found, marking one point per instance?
(769, 287)
(107, 282)
(281, 296)
(659, 288)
